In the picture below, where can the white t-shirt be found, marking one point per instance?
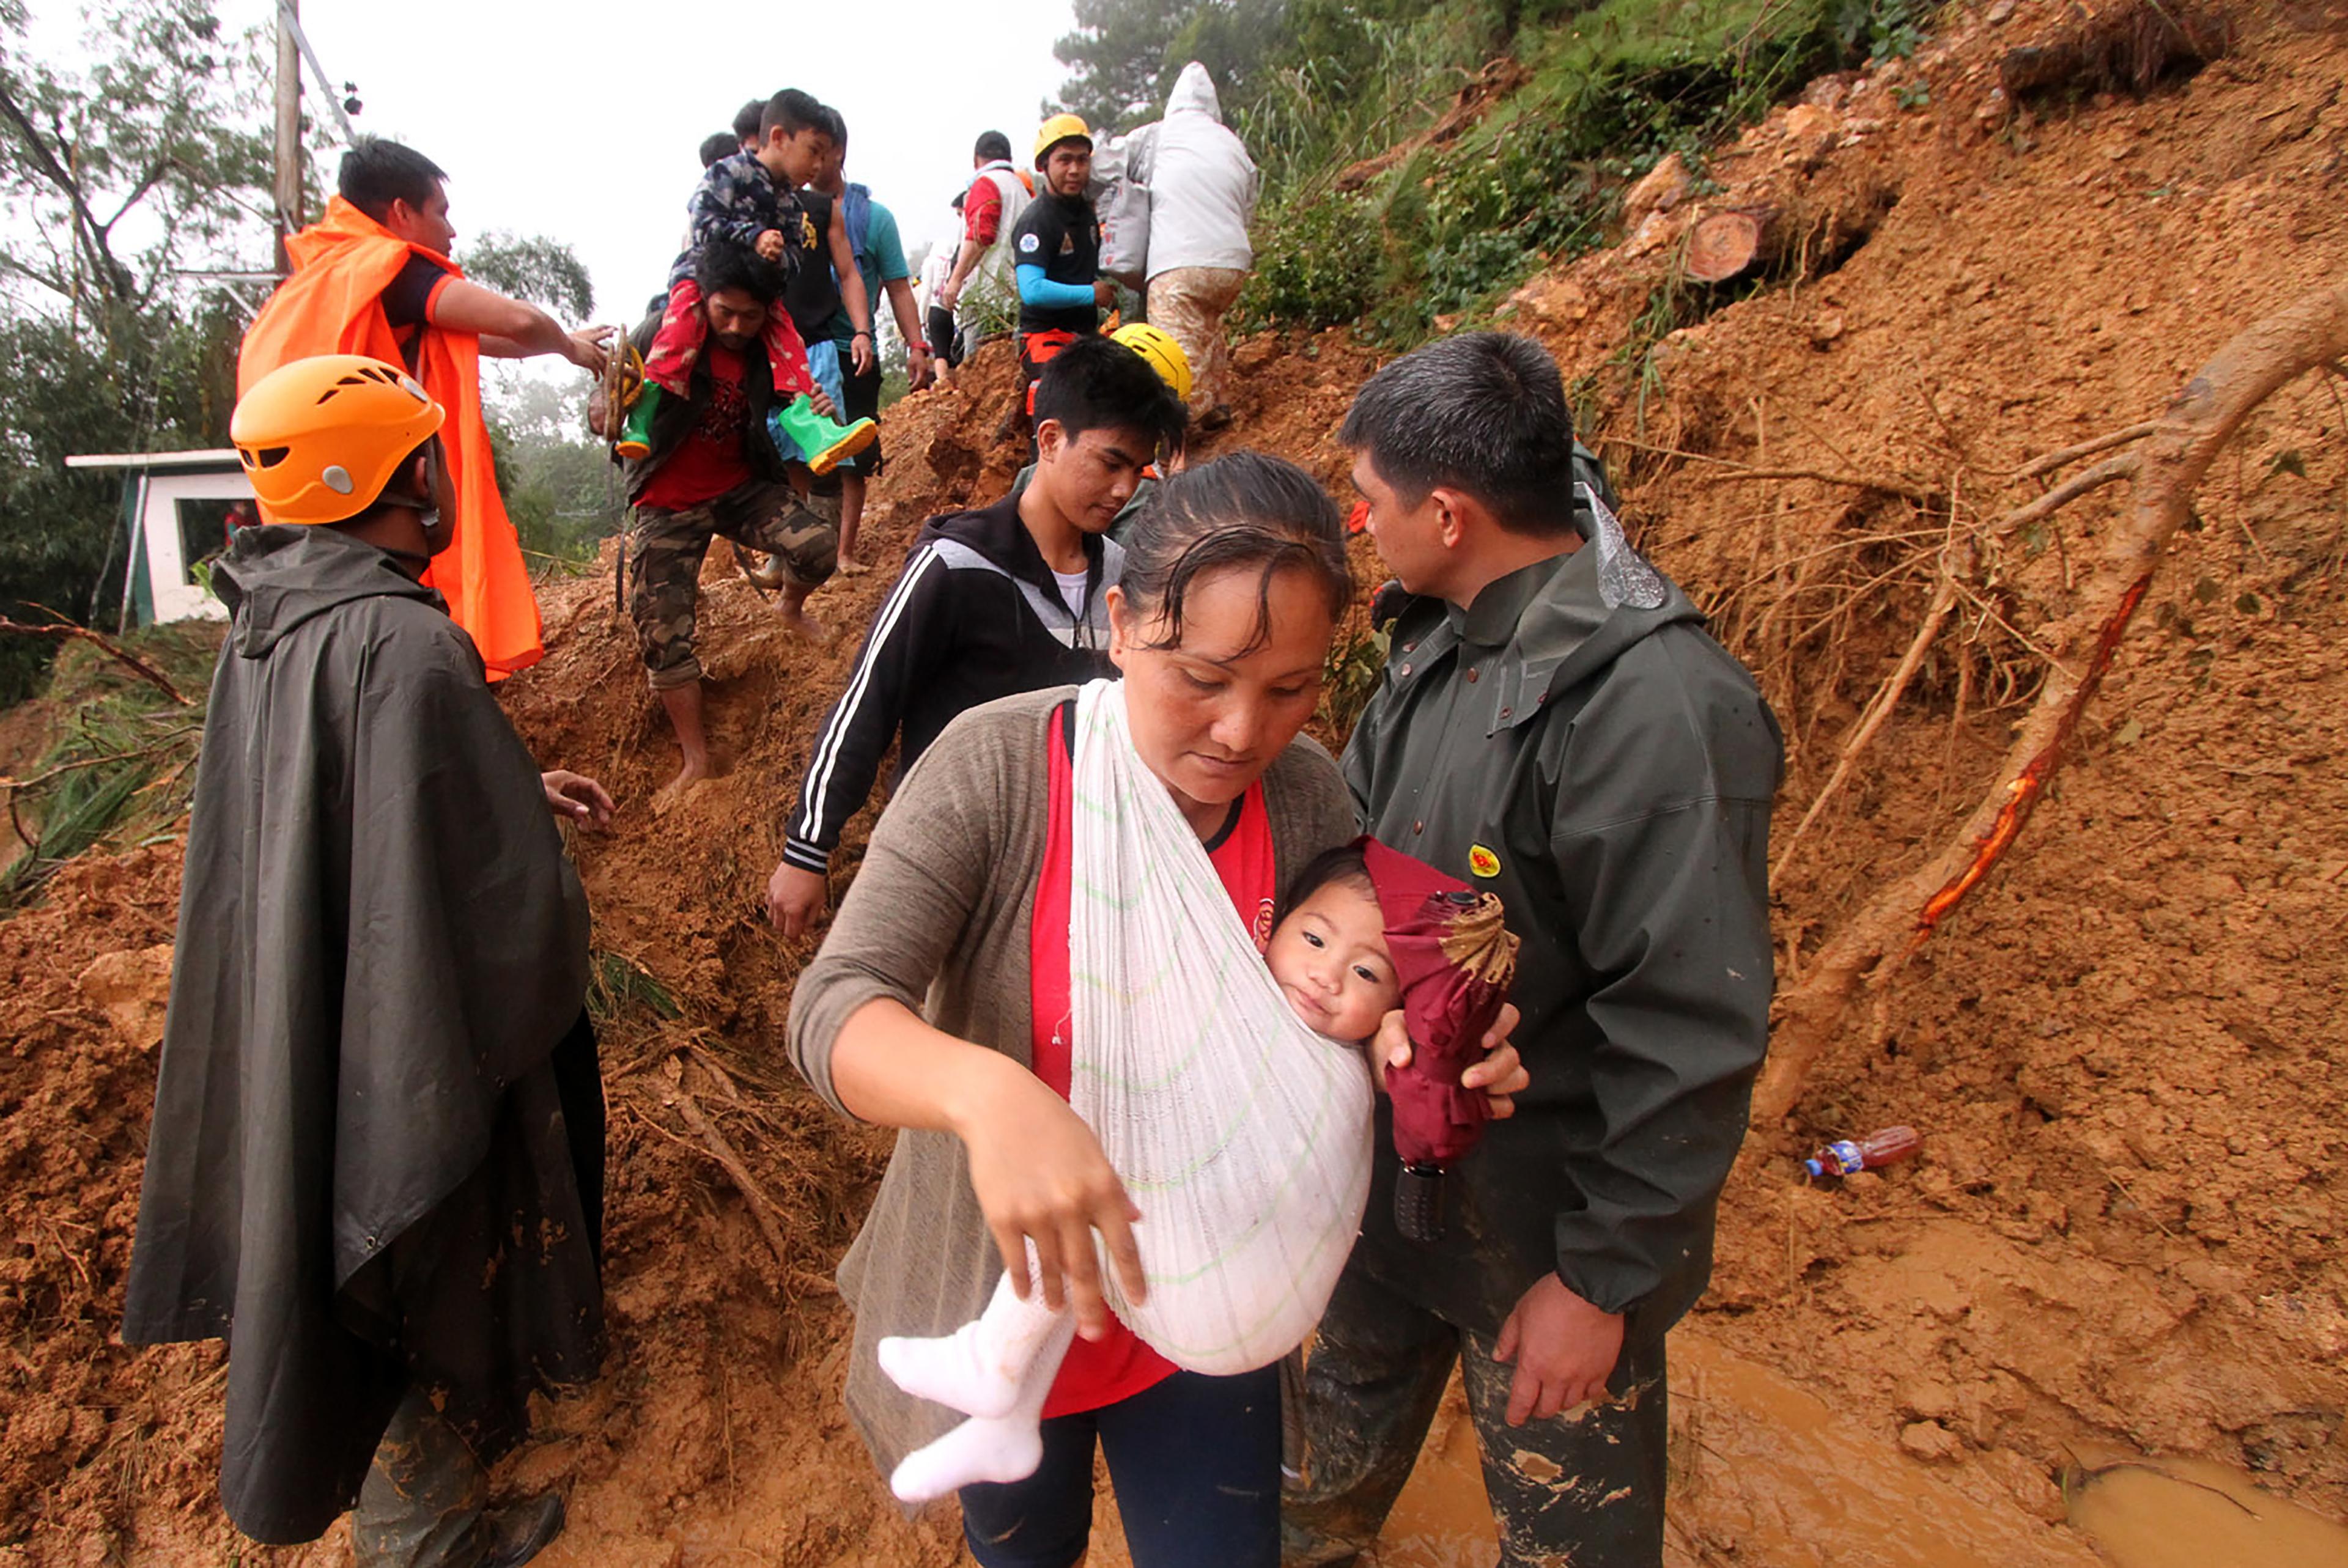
(1072, 589)
(935, 270)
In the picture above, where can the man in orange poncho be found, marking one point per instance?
(373, 276)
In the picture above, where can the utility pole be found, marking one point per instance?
(289, 130)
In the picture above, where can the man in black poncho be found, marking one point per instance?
(376, 1163)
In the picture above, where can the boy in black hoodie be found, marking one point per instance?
(991, 603)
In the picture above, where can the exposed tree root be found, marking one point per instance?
(1875, 942)
(64, 628)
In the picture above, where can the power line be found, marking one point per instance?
(292, 24)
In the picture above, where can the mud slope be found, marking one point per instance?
(2125, 1232)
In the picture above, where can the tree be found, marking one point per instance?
(156, 145)
(126, 175)
(1116, 57)
(560, 485)
(149, 159)
(534, 268)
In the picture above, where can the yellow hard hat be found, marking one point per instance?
(320, 437)
(1163, 354)
(1060, 128)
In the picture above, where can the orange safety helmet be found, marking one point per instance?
(1060, 128)
(1164, 355)
(320, 437)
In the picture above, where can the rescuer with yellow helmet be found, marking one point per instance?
(382, 955)
(1161, 353)
(1055, 250)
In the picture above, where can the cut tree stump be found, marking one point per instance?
(1726, 242)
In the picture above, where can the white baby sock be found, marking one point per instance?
(998, 1449)
(979, 1368)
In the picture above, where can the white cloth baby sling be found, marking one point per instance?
(1243, 1136)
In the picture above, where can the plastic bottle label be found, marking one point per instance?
(1844, 1158)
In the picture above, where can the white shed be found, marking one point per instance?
(178, 509)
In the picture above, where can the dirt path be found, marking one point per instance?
(2126, 1228)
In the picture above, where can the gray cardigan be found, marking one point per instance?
(940, 918)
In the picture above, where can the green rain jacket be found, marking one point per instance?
(1577, 744)
(360, 1173)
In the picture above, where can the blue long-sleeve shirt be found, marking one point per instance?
(1036, 290)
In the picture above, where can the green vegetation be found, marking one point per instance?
(1448, 232)
(1317, 86)
(122, 768)
(136, 168)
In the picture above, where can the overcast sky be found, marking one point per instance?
(581, 122)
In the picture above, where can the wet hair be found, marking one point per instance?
(1245, 511)
(376, 173)
(749, 122)
(722, 265)
(992, 145)
(792, 111)
(1096, 384)
(1483, 413)
(1343, 864)
(717, 145)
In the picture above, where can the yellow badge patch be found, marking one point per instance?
(1482, 861)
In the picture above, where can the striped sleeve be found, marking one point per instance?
(905, 640)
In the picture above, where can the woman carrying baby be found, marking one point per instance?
(1233, 585)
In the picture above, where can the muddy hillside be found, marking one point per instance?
(2123, 1237)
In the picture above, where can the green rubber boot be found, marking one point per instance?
(824, 443)
(635, 442)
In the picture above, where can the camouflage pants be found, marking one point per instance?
(665, 548)
(1583, 1489)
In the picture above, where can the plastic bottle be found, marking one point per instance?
(1873, 1152)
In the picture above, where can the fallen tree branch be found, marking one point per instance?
(2088, 448)
(2124, 467)
(762, 1208)
(1917, 493)
(1878, 711)
(66, 629)
(1874, 944)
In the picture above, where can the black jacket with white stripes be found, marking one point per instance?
(975, 615)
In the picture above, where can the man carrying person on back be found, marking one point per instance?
(1553, 726)
(984, 291)
(1003, 599)
(376, 1163)
(711, 467)
(872, 231)
(373, 276)
(1057, 246)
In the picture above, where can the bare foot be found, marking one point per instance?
(851, 567)
(799, 623)
(666, 798)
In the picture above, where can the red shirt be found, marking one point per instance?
(708, 462)
(982, 211)
(1119, 1366)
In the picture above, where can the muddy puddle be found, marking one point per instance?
(2195, 1513)
(1762, 1472)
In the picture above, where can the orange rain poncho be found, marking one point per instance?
(332, 303)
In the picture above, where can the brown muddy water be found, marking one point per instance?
(2193, 1513)
(1766, 1472)
(1763, 1472)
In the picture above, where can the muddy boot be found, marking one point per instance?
(635, 442)
(519, 1531)
(822, 443)
(422, 1504)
